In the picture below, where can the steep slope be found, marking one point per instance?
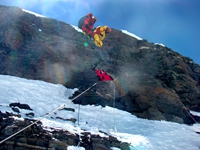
(52, 121)
(151, 81)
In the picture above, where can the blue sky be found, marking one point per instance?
(174, 23)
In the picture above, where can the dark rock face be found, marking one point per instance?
(150, 81)
(36, 137)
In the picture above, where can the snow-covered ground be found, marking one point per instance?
(142, 134)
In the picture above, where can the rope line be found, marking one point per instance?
(48, 114)
(80, 140)
(115, 129)
(83, 92)
(78, 112)
(186, 109)
(62, 106)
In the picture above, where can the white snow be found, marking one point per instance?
(77, 28)
(75, 148)
(195, 113)
(160, 44)
(131, 34)
(124, 31)
(142, 134)
(37, 15)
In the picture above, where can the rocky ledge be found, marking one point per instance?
(37, 137)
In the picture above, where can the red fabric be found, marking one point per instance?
(103, 76)
(88, 24)
(97, 30)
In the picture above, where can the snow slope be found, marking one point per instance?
(142, 134)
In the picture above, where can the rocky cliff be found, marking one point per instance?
(37, 137)
(150, 80)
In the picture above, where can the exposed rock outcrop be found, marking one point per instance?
(151, 81)
(37, 137)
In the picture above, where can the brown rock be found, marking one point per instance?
(149, 79)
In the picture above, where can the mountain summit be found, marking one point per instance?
(150, 80)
